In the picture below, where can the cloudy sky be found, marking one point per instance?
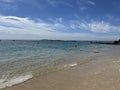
(60, 19)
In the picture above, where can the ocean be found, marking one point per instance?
(21, 60)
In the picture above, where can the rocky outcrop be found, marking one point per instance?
(107, 42)
(117, 42)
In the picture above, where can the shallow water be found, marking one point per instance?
(20, 59)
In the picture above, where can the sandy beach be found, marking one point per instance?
(102, 73)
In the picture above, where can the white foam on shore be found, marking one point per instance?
(70, 65)
(16, 80)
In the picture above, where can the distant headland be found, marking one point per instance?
(107, 42)
(117, 42)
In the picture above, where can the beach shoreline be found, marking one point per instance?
(101, 73)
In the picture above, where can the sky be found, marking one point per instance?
(60, 19)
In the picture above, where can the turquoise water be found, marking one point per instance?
(21, 58)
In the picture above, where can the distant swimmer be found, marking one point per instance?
(75, 45)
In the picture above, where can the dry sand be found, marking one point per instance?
(102, 73)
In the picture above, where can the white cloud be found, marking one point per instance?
(12, 27)
(59, 20)
(52, 2)
(40, 4)
(85, 4)
(103, 27)
(99, 27)
(8, 1)
(25, 25)
(91, 2)
(56, 2)
(7, 4)
(95, 26)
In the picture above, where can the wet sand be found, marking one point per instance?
(102, 73)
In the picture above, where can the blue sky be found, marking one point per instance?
(60, 19)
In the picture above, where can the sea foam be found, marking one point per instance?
(13, 81)
(70, 65)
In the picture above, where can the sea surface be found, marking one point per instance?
(20, 60)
